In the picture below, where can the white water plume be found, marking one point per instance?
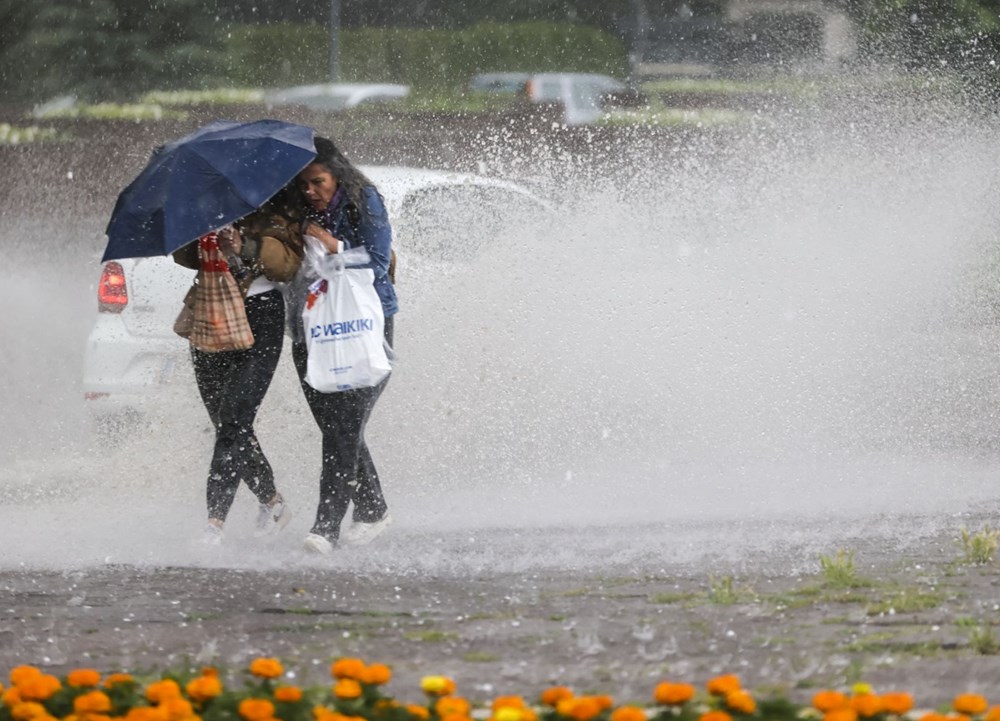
(790, 323)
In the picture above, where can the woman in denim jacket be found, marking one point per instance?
(343, 211)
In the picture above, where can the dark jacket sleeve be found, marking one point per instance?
(187, 255)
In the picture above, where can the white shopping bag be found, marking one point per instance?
(344, 325)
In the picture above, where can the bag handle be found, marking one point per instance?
(325, 263)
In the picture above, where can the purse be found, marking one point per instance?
(218, 318)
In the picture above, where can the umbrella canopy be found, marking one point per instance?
(203, 181)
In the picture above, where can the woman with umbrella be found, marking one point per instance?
(343, 210)
(262, 250)
(195, 188)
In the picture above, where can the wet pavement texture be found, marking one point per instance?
(919, 621)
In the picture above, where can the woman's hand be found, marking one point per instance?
(323, 235)
(230, 240)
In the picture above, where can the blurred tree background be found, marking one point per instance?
(117, 49)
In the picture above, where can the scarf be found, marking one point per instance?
(328, 215)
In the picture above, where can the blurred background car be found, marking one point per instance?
(134, 364)
(337, 96)
(500, 83)
(580, 94)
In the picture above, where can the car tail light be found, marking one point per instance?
(112, 294)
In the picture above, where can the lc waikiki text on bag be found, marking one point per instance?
(343, 323)
(214, 316)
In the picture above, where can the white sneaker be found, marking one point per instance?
(211, 535)
(271, 519)
(361, 534)
(318, 544)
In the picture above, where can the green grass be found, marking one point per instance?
(906, 601)
(723, 591)
(227, 96)
(983, 641)
(980, 547)
(114, 111)
(430, 636)
(14, 135)
(838, 571)
(480, 657)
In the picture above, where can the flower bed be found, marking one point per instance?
(356, 695)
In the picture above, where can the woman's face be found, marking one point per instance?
(317, 185)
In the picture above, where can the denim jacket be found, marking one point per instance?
(372, 231)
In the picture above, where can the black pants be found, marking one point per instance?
(232, 386)
(348, 473)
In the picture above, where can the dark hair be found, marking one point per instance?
(347, 175)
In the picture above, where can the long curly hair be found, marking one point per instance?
(352, 180)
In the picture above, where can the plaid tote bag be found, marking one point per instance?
(220, 317)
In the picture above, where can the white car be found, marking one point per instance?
(133, 361)
(580, 94)
(337, 96)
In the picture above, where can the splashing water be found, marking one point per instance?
(788, 331)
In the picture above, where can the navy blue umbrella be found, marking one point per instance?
(203, 181)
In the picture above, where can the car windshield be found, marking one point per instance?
(453, 222)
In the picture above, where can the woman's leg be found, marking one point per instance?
(369, 502)
(237, 455)
(340, 417)
(210, 372)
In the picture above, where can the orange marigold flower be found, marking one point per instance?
(715, 716)
(117, 678)
(38, 688)
(418, 711)
(554, 694)
(347, 688)
(741, 701)
(582, 708)
(256, 709)
(288, 694)
(721, 685)
(27, 710)
(437, 686)
(827, 700)
(935, 716)
(352, 668)
(897, 702)
(841, 714)
(628, 713)
(993, 714)
(867, 704)
(145, 713)
(322, 713)
(266, 667)
(376, 674)
(83, 678)
(19, 674)
(970, 703)
(452, 705)
(673, 694)
(604, 702)
(159, 691)
(456, 717)
(11, 697)
(176, 709)
(92, 702)
(508, 702)
(203, 688)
